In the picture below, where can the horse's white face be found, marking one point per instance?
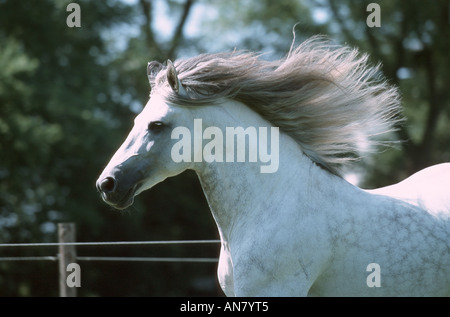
(144, 159)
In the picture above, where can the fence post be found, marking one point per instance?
(67, 255)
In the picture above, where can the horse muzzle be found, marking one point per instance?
(113, 194)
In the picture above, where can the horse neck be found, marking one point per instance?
(239, 193)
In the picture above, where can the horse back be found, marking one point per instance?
(428, 189)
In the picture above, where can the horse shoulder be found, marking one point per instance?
(270, 260)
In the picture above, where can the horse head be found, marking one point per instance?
(144, 159)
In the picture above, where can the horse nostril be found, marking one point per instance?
(107, 185)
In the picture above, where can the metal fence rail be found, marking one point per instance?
(67, 253)
(55, 244)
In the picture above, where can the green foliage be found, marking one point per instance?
(264, 25)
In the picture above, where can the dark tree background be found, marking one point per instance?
(68, 97)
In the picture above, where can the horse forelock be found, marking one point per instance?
(325, 96)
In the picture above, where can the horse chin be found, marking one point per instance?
(128, 198)
(123, 204)
(126, 201)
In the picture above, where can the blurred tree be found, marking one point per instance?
(265, 25)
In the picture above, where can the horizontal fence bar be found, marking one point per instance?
(111, 258)
(146, 259)
(112, 243)
(30, 258)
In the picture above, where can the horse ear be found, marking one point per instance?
(172, 76)
(153, 68)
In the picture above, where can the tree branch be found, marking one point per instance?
(179, 29)
(147, 9)
(348, 35)
(434, 110)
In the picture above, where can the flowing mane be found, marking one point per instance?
(325, 96)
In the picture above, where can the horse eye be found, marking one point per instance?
(155, 126)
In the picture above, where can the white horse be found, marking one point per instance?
(296, 228)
